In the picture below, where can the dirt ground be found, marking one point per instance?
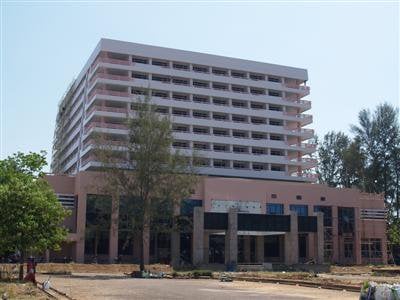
(98, 286)
(20, 291)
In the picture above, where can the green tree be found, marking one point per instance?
(145, 171)
(31, 214)
(331, 154)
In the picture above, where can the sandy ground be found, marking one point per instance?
(21, 291)
(101, 286)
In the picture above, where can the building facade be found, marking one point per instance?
(235, 220)
(244, 118)
(255, 201)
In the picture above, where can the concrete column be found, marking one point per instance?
(247, 249)
(113, 237)
(357, 236)
(206, 247)
(320, 238)
(198, 236)
(335, 235)
(260, 249)
(292, 241)
(231, 238)
(311, 246)
(175, 248)
(81, 227)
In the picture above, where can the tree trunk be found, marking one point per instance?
(141, 249)
(21, 266)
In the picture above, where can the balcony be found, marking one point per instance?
(303, 160)
(108, 92)
(104, 125)
(104, 58)
(107, 108)
(303, 145)
(109, 76)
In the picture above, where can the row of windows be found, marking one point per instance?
(301, 210)
(181, 66)
(228, 148)
(239, 165)
(298, 197)
(210, 100)
(207, 84)
(242, 134)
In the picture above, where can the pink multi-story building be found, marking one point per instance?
(255, 201)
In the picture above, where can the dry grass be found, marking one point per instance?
(16, 290)
(97, 268)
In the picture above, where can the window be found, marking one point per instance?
(348, 249)
(222, 132)
(180, 97)
(371, 248)
(259, 167)
(258, 135)
(180, 112)
(160, 63)
(275, 209)
(188, 205)
(274, 93)
(298, 197)
(180, 81)
(276, 122)
(200, 130)
(200, 99)
(327, 210)
(162, 110)
(240, 149)
(221, 148)
(240, 119)
(220, 86)
(200, 114)
(160, 94)
(258, 151)
(257, 105)
(322, 198)
(256, 120)
(256, 91)
(179, 144)
(302, 210)
(274, 196)
(200, 69)
(239, 134)
(201, 84)
(274, 79)
(140, 60)
(220, 101)
(180, 128)
(240, 165)
(275, 107)
(181, 66)
(346, 219)
(239, 89)
(138, 92)
(163, 79)
(275, 137)
(238, 74)
(219, 163)
(277, 168)
(139, 75)
(257, 76)
(276, 152)
(201, 146)
(219, 72)
(239, 103)
(220, 117)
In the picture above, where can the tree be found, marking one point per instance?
(331, 154)
(31, 214)
(145, 172)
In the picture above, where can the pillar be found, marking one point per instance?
(357, 236)
(175, 248)
(311, 246)
(198, 236)
(231, 238)
(260, 249)
(80, 226)
(320, 238)
(206, 247)
(335, 235)
(113, 237)
(292, 241)
(247, 249)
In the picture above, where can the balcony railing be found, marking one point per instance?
(302, 145)
(104, 59)
(107, 108)
(108, 92)
(104, 125)
(304, 160)
(110, 76)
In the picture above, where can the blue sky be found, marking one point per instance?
(350, 50)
